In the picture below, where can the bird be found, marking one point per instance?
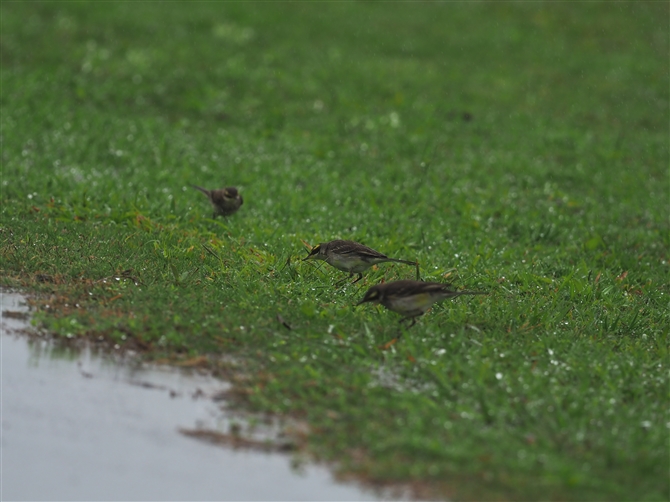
(411, 299)
(225, 201)
(350, 256)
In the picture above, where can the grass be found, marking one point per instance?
(516, 148)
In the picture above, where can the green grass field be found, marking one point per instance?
(516, 148)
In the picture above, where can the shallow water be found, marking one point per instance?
(77, 426)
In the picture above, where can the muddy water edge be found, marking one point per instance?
(80, 425)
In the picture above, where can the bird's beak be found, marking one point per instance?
(309, 256)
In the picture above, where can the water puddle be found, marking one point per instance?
(78, 426)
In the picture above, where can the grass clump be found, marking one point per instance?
(517, 149)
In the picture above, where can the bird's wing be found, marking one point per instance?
(345, 247)
(218, 196)
(408, 288)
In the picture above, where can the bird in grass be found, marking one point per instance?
(350, 256)
(411, 299)
(225, 201)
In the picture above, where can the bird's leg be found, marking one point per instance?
(405, 319)
(342, 281)
(360, 276)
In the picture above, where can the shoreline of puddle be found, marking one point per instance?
(80, 425)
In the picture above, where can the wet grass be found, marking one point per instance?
(520, 149)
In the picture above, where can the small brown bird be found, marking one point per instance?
(411, 299)
(350, 256)
(225, 201)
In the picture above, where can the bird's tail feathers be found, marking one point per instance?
(406, 262)
(203, 190)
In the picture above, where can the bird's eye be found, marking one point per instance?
(315, 250)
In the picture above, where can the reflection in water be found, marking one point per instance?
(41, 350)
(78, 426)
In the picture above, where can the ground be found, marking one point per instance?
(519, 149)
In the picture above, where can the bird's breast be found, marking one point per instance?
(410, 304)
(348, 263)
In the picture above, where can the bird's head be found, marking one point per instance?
(373, 295)
(230, 192)
(317, 253)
